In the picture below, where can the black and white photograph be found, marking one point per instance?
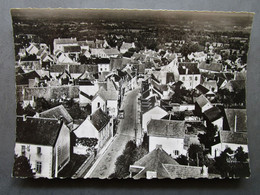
(131, 94)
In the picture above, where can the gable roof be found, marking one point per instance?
(111, 51)
(82, 68)
(58, 68)
(213, 114)
(202, 101)
(65, 41)
(210, 84)
(216, 67)
(166, 128)
(202, 89)
(153, 162)
(57, 112)
(182, 171)
(236, 85)
(232, 137)
(38, 131)
(23, 79)
(72, 48)
(192, 68)
(238, 116)
(99, 119)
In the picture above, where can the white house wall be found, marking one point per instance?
(86, 130)
(94, 104)
(62, 147)
(154, 113)
(190, 81)
(31, 153)
(169, 145)
(112, 108)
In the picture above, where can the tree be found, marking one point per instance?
(196, 155)
(22, 167)
(222, 164)
(240, 155)
(131, 154)
(208, 138)
(41, 104)
(19, 109)
(182, 160)
(29, 110)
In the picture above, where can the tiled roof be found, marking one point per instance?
(232, 137)
(241, 119)
(192, 68)
(216, 67)
(202, 101)
(58, 68)
(82, 68)
(153, 162)
(23, 79)
(107, 94)
(202, 89)
(210, 84)
(99, 119)
(213, 114)
(166, 128)
(111, 52)
(65, 41)
(72, 48)
(57, 112)
(126, 46)
(54, 92)
(236, 85)
(38, 131)
(182, 171)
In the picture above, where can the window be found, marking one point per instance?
(190, 78)
(28, 148)
(176, 152)
(98, 104)
(196, 78)
(59, 151)
(38, 167)
(183, 78)
(39, 150)
(100, 69)
(23, 151)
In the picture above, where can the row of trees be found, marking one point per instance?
(229, 164)
(42, 104)
(131, 154)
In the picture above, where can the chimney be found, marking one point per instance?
(235, 125)
(158, 146)
(186, 70)
(24, 117)
(205, 171)
(60, 120)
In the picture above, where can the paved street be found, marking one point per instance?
(105, 165)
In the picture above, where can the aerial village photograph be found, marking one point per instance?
(130, 93)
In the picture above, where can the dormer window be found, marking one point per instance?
(39, 150)
(23, 150)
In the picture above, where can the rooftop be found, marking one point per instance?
(57, 112)
(99, 119)
(166, 128)
(213, 114)
(238, 116)
(154, 161)
(232, 137)
(38, 131)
